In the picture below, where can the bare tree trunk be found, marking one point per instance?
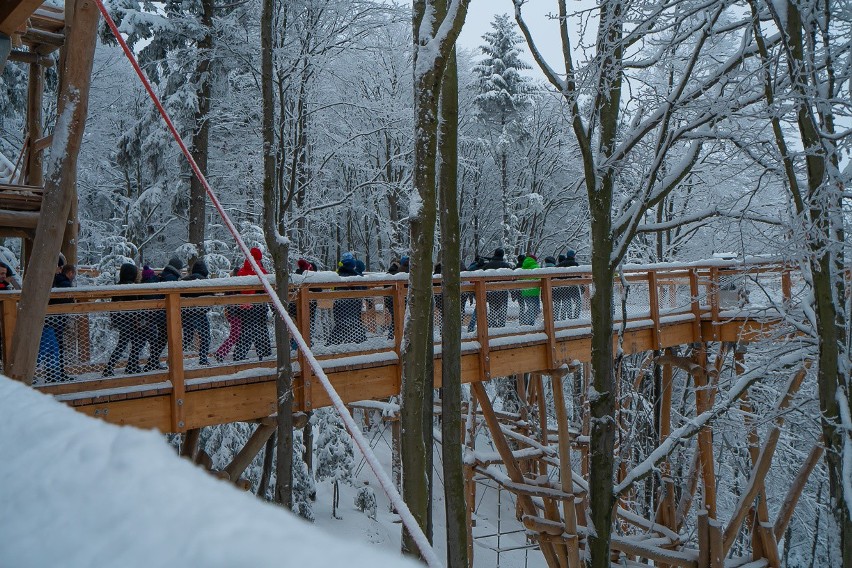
(431, 53)
(201, 133)
(451, 423)
(80, 29)
(280, 250)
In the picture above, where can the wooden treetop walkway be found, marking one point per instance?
(665, 305)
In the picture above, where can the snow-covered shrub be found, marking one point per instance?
(334, 456)
(304, 487)
(365, 501)
(117, 251)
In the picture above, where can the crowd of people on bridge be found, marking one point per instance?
(248, 320)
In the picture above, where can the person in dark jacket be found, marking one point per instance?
(159, 334)
(477, 264)
(395, 268)
(194, 320)
(498, 300)
(348, 327)
(255, 328)
(58, 323)
(569, 300)
(127, 324)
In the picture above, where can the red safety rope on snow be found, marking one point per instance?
(402, 509)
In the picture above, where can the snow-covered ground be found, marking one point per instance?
(75, 491)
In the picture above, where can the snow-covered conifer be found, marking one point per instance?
(334, 455)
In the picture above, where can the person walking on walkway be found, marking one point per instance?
(530, 296)
(159, 334)
(348, 327)
(498, 300)
(570, 307)
(127, 324)
(255, 329)
(235, 326)
(194, 320)
(58, 323)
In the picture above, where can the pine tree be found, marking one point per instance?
(335, 457)
(503, 94)
(503, 91)
(304, 488)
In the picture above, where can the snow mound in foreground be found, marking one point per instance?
(76, 491)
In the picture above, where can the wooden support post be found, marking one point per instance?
(35, 91)
(75, 77)
(714, 301)
(542, 419)
(565, 469)
(654, 302)
(695, 304)
(174, 335)
(666, 510)
(786, 512)
(717, 554)
(10, 314)
(482, 329)
(246, 455)
(761, 466)
(512, 469)
(786, 286)
(396, 460)
(398, 321)
(470, 502)
(189, 447)
(705, 435)
(549, 325)
(303, 316)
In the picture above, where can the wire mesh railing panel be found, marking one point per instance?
(568, 301)
(351, 324)
(632, 301)
(124, 335)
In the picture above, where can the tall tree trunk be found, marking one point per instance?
(451, 423)
(279, 249)
(431, 54)
(602, 400)
(827, 276)
(201, 133)
(80, 34)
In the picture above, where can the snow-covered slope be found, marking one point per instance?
(75, 491)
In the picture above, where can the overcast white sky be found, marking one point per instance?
(546, 32)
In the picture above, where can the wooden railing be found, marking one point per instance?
(665, 305)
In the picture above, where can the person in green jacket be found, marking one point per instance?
(530, 296)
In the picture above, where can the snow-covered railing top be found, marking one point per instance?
(329, 279)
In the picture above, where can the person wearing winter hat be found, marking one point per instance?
(57, 323)
(194, 319)
(128, 325)
(255, 329)
(530, 296)
(404, 264)
(348, 327)
(569, 296)
(303, 266)
(171, 272)
(498, 300)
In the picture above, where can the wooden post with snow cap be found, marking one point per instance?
(80, 35)
(174, 335)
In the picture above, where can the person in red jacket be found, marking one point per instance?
(254, 329)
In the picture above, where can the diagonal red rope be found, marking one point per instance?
(402, 509)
